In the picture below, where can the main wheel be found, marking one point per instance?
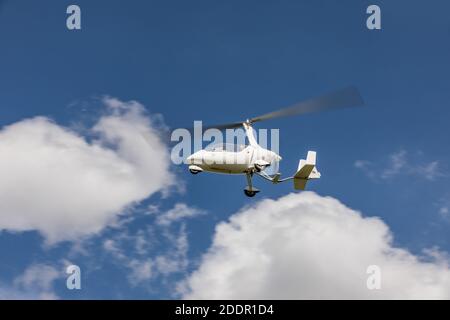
(194, 171)
(249, 193)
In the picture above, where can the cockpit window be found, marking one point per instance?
(229, 147)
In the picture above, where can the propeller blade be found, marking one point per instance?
(348, 97)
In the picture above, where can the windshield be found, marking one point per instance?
(229, 147)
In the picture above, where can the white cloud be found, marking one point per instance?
(141, 270)
(307, 246)
(36, 283)
(362, 164)
(431, 171)
(366, 167)
(175, 260)
(397, 163)
(444, 213)
(57, 182)
(400, 163)
(178, 212)
(139, 251)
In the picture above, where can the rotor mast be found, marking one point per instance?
(250, 133)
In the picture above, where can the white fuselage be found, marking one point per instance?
(223, 161)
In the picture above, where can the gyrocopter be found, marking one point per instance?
(253, 159)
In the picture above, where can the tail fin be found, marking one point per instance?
(306, 170)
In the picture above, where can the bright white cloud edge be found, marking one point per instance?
(304, 246)
(60, 184)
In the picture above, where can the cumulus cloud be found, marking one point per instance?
(307, 246)
(68, 186)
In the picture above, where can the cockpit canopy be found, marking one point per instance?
(227, 147)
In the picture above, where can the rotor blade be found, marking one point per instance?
(225, 126)
(348, 97)
(219, 127)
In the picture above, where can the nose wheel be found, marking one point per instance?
(195, 169)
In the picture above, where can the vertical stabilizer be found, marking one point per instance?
(306, 170)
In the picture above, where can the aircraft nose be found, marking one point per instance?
(190, 159)
(194, 158)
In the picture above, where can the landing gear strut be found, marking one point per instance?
(250, 191)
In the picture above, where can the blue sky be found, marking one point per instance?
(226, 61)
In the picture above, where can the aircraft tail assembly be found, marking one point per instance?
(306, 170)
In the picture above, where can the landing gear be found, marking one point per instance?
(258, 168)
(250, 191)
(195, 169)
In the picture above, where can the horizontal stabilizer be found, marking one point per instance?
(300, 184)
(305, 167)
(306, 170)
